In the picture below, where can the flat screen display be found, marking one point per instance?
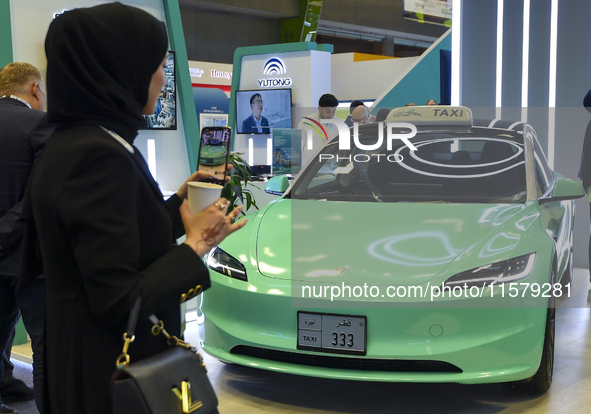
(164, 116)
(257, 112)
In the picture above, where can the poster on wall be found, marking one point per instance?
(287, 144)
(211, 120)
(428, 11)
(164, 116)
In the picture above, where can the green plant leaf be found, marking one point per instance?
(236, 190)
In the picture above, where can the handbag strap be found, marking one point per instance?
(157, 328)
(133, 315)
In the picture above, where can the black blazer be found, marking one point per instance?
(106, 237)
(23, 133)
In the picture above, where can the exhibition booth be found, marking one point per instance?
(292, 77)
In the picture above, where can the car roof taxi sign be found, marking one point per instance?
(433, 116)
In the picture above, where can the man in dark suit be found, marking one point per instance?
(23, 133)
(256, 123)
(349, 119)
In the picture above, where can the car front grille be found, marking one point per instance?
(359, 364)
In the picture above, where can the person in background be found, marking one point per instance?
(411, 104)
(585, 168)
(354, 105)
(93, 211)
(24, 130)
(431, 102)
(327, 107)
(256, 122)
(349, 119)
(361, 115)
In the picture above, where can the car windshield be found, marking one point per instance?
(476, 166)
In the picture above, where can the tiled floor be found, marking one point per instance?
(243, 390)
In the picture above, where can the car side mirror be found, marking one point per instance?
(564, 189)
(277, 185)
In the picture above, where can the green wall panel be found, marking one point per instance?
(5, 33)
(184, 85)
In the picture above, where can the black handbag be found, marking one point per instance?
(170, 382)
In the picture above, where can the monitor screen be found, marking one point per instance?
(257, 112)
(164, 116)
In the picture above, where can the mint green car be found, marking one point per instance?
(213, 154)
(383, 263)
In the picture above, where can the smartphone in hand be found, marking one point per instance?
(214, 153)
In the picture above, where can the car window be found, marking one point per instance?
(446, 167)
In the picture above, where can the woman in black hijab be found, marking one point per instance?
(105, 234)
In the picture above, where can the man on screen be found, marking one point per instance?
(256, 123)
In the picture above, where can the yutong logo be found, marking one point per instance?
(274, 66)
(345, 139)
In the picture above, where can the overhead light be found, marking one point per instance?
(456, 48)
(552, 83)
(499, 80)
(525, 59)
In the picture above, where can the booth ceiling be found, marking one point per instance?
(382, 18)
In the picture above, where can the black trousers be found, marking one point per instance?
(30, 303)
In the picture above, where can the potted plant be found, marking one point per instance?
(235, 191)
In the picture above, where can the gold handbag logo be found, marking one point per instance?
(185, 396)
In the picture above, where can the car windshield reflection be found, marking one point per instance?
(465, 167)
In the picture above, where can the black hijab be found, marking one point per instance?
(100, 62)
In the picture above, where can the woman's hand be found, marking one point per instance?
(199, 176)
(208, 228)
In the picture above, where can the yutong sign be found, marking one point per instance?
(274, 66)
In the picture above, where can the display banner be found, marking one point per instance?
(428, 11)
(287, 147)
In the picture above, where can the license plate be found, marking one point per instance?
(344, 334)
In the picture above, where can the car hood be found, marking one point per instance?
(378, 243)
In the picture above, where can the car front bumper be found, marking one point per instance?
(254, 324)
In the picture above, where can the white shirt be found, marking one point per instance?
(18, 99)
(257, 123)
(319, 140)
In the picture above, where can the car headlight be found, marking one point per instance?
(221, 262)
(495, 273)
